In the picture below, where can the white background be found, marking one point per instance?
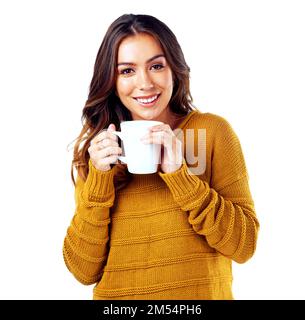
(247, 65)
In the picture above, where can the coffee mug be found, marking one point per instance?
(140, 158)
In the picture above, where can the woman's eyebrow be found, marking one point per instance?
(149, 60)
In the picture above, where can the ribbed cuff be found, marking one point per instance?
(181, 183)
(99, 185)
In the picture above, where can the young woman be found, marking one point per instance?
(168, 235)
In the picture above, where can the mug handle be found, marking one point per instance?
(120, 135)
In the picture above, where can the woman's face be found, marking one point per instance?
(144, 82)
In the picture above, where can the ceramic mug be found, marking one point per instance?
(140, 158)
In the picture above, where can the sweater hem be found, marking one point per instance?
(113, 293)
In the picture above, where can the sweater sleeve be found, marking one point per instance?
(85, 245)
(224, 211)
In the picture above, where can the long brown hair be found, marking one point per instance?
(103, 106)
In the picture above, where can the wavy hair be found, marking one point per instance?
(103, 106)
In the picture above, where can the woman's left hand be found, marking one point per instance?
(171, 155)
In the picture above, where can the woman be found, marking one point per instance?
(168, 235)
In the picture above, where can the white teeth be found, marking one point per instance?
(147, 100)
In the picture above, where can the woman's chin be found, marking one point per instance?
(147, 115)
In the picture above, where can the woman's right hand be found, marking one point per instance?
(104, 149)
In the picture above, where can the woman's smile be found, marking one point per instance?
(148, 101)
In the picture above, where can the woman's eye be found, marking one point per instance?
(158, 66)
(126, 71)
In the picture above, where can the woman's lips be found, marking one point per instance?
(148, 102)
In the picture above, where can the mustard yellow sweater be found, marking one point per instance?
(166, 236)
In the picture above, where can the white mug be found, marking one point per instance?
(140, 158)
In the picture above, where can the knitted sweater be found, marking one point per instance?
(166, 235)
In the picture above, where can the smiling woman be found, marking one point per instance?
(171, 234)
(138, 53)
(144, 86)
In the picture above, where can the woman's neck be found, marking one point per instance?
(172, 119)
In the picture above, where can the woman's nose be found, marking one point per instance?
(144, 81)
